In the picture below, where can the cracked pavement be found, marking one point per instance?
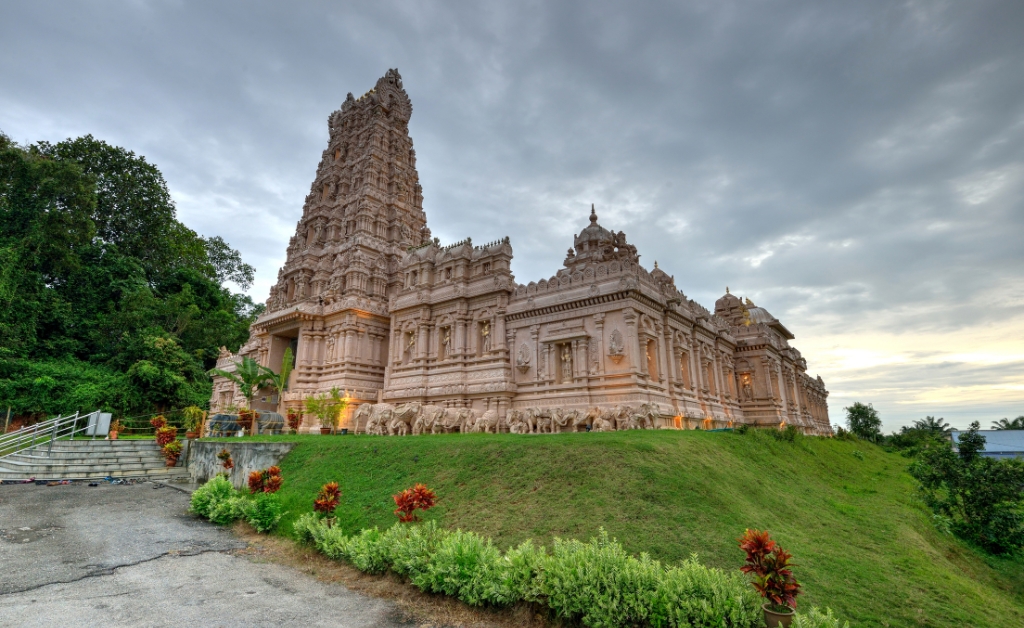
(112, 555)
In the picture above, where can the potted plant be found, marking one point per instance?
(193, 418)
(327, 407)
(115, 429)
(172, 451)
(772, 577)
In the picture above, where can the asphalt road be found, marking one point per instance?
(131, 556)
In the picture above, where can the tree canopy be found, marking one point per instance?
(863, 421)
(106, 299)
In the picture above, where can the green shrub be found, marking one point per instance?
(307, 528)
(331, 542)
(410, 549)
(694, 595)
(228, 511)
(816, 619)
(469, 567)
(367, 551)
(599, 583)
(207, 496)
(525, 565)
(263, 511)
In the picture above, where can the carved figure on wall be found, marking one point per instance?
(446, 340)
(485, 337)
(566, 363)
(523, 358)
(410, 342)
(616, 348)
(488, 423)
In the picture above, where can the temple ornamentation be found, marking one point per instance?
(427, 338)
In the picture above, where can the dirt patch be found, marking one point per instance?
(430, 610)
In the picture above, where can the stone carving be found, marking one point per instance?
(368, 289)
(485, 337)
(523, 358)
(616, 348)
(566, 363)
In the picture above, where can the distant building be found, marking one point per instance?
(998, 443)
(371, 304)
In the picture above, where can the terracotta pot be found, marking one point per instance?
(171, 462)
(191, 435)
(113, 436)
(774, 619)
(324, 431)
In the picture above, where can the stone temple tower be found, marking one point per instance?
(363, 211)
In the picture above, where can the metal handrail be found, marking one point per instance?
(43, 433)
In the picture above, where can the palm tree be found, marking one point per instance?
(249, 376)
(1005, 424)
(279, 381)
(931, 424)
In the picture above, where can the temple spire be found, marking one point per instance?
(593, 215)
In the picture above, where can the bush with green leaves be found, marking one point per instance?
(596, 583)
(207, 496)
(816, 619)
(263, 511)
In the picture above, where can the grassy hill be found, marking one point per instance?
(846, 510)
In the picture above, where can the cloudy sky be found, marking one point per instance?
(857, 168)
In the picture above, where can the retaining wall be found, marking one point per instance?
(248, 457)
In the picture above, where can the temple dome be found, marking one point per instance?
(594, 233)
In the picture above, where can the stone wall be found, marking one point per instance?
(248, 457)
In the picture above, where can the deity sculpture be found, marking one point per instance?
(485, 337)
(447, 341)
(566, 363)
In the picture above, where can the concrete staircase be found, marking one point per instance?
(85, 459)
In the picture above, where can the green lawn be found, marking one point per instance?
(864, 544)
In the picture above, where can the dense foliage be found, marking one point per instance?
(982, 498)
(106, 299)
(863, 421)
(771, 569)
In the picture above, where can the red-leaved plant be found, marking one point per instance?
(266, 481)
(770, 565)
(225, 459)
(158, 421)
(166, 435)
(294, 419)
(412, 499)
(327, 500)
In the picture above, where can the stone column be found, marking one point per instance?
(662, 346)
(599, 335)
(534, 333)
(633, 353)
(497, 329)
(459, 348)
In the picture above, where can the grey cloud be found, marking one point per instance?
(847, 165)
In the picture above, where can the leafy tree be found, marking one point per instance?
(326, 407)
(1004, 424)
(100, 283)
(864, 422)
(931, 424)
(982, 497)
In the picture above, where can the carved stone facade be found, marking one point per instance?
(431, 333)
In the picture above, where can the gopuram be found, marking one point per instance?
(425, 337)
